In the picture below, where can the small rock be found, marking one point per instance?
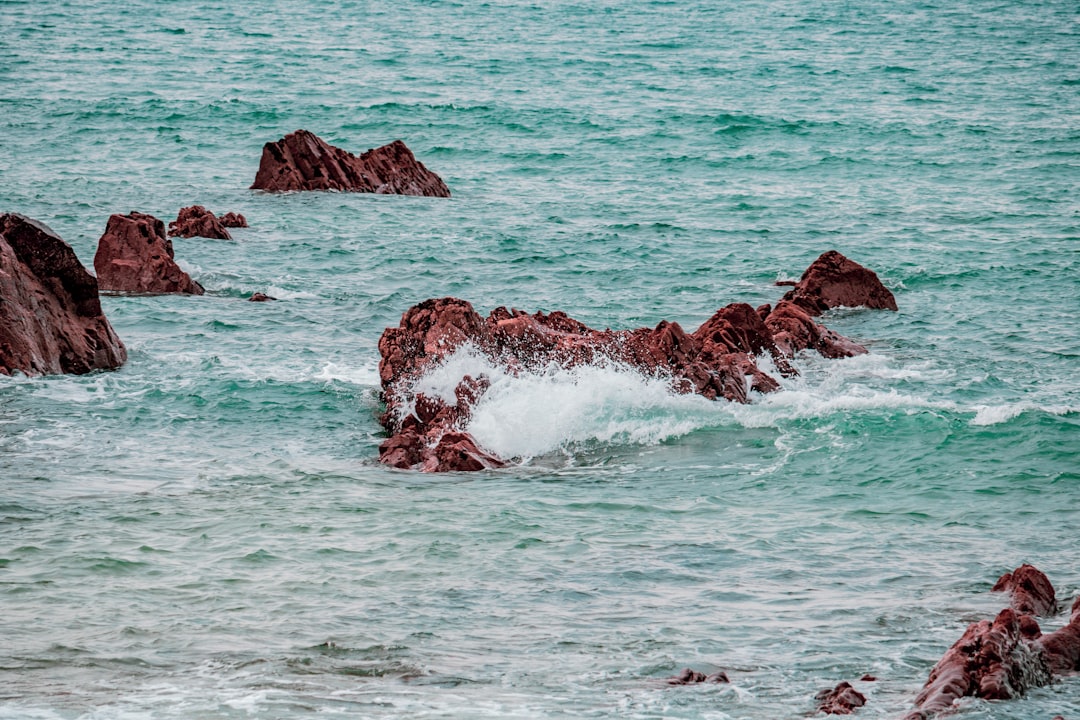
(135, 256)
(197, 221)
(260, 297)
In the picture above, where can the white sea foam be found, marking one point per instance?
(995, 414)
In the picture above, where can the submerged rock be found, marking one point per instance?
(197, 221)
(303, 161)
(135, 256)
(834, 281)
(840, 700)
(260, 297)
(693, 677)
(51, 320)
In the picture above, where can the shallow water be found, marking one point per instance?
(207, 533)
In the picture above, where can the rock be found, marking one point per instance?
(794, 330)
(1030, 590)
(303, 161)
(197, 221)
(991, 660)
(50, 313)
(135, 256)
(693, 677)
(868, 678)
(260, 297)
(1062, 648)
(840, 700)
(233, 220)
(834, 281)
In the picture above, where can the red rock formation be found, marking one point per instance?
(260, 297)
(794, 330)
(197, 221)
(834, 281)
(840, 700)
(303, 161)
(50, 315)
(135, 256)
(693, 677)
(233, 220)
(1062, 648)
(1030, 590)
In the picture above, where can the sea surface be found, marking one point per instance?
(207, 533)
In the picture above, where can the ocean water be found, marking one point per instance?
(207, 533)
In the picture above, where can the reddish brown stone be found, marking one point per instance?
(1062, 648)
(50, 313)
(135, 256)
(794, 330)
(233, 220)
(197, 221)
(303, 161)
(840, 700)
(693, 677)
(260, 297)
(1030, 591)
(834, 281)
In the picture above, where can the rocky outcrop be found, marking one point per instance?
(718, 360)
(834, 281)
(197, 221)
(1003, 658)
(303, 161)
(840, 700)
(261, 297)
(50, 314)
(233, 220)
(135, 256)
(693, 677)
(1029, 590)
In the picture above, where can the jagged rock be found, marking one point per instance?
(834, 281)
(50, 314)
(1062, 647)
(135, 256)
(840, 700)
(1030, 590)
(197, 221)
(693, 677)
(303, 161)
(793, 330)
(233, 220)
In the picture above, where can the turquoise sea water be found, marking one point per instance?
(207, 533)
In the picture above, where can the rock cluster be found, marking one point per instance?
(135, 256)
(50, 314)
(715, 361)
(840, 700)
(1002, 658)
(197, 221)
(303, 161)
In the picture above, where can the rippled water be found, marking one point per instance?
(207, 533)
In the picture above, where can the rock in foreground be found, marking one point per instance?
(197, 221)
(135, 256)
(50, 314)
(304, 161)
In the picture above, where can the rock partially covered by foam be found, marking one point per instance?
(50, 313)
(834, 281)
(689, 676)
(794, 330)
(197, 221)
(135, 256)
(303, 161)
(840, 700)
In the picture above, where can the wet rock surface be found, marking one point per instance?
(688, 676)
(716, 361)
(840, 700)
(834, 281)
(1029, 589)
(197, 221)
(51, 320)
(303, 161)
(135, 256)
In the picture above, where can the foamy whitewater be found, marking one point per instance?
(207, 532)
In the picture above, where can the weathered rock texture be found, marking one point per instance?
(135, 256)
(197, 221)
(834, 281)
(718, 360)
(1003, 658)
(50, 315)
(303, 161)
(840, 700)
(693, 677)
(233, 220)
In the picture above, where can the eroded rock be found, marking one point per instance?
(692, 677)
(303, 161)
(840, 700)
(197, 221)
(135, 256)
(1030, 590)
(51, 320)
(834, 281)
